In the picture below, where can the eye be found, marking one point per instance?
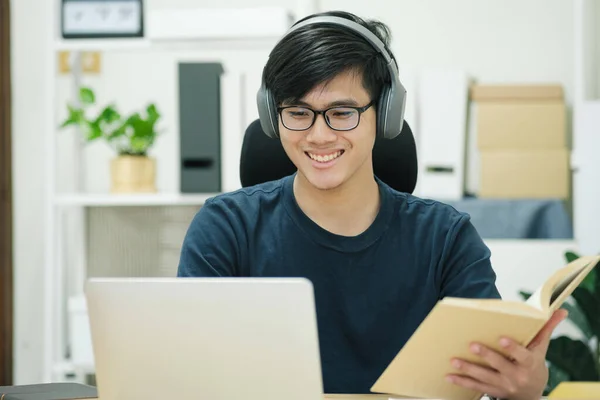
(342, 113)
(298, 113)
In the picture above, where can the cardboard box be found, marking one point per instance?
(521, 125)
(525, 174)
(481, 93)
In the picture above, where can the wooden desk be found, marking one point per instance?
(356, 397)
(345, 397)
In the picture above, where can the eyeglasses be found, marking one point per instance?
(339, 118)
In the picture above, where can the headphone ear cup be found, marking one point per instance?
(395, 110)
(390, 114)
(267, 113)
(382, 112)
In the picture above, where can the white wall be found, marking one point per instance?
(495, 41)
(596, 61)
(590, 48)
(28, 130)
(487, 40)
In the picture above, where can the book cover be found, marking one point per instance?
(420, 368)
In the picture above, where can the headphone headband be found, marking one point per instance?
(358, 28)
(391, 103)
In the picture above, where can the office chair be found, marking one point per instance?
(263, 159)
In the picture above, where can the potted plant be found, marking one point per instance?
(131, 137)
(571, 359)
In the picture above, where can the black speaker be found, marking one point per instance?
(200, 127)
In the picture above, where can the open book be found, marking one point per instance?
(420, 368)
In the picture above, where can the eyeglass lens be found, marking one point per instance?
(339, 118)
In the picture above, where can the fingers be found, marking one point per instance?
(477, 372)
(494, 359)
(501, 379)
(542, 339)
(477, 386)
(514, 372)
(515, 351)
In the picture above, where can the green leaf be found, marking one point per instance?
(91, 131)
(574, 358)
(590, 307)
(86, 95)
(596, 273)
(76, 116)
(68, 122)
(579, 319)
(96, 133)
(153, 114)
(571, 256)
(140, 145)
(118, 132)
(108, 115)
(132, 135)
(525, 295)
(589, 282)
(555, 377)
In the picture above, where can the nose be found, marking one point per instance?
(320, 132)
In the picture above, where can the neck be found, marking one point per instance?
(347, 210)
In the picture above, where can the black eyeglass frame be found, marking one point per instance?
(316, 113)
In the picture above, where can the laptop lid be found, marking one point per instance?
(204, 338)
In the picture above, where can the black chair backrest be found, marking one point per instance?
(263, 159)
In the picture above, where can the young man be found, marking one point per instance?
(379, 260)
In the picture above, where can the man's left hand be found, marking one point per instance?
(520, 376)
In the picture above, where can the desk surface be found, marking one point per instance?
(361, 397)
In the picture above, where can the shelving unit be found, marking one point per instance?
(142, 200)
(102, 44)
(586, 125)
(64, 283)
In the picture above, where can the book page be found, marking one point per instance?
(535, 300)
(545, 297)
(562, 285)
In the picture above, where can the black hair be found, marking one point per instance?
(315, 54)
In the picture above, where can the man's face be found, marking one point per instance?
(327, 158)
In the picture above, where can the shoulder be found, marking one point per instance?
(248, 198)
(446, 238)
(433, 224)
(241, 208)
(234, 214)
(428, 213)
(217, 238)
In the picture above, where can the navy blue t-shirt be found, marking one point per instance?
(371, 291)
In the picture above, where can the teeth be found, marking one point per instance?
(325, 158)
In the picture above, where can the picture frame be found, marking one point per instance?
(96, 19)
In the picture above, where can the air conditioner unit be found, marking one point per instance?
(209, 23)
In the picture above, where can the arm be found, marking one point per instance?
(465, 267)
(210, 248)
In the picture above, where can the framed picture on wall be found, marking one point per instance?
(85, 19)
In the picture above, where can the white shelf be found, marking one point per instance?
(102, 44)
(128, 200)
(170, 30)
(164, 44)
(67, 367)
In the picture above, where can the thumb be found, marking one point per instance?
(542, 339)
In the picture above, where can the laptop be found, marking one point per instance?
(204, 338)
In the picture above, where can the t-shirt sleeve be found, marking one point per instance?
(209, 248)
(465, 265)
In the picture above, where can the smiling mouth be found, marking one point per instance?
(324, 158)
